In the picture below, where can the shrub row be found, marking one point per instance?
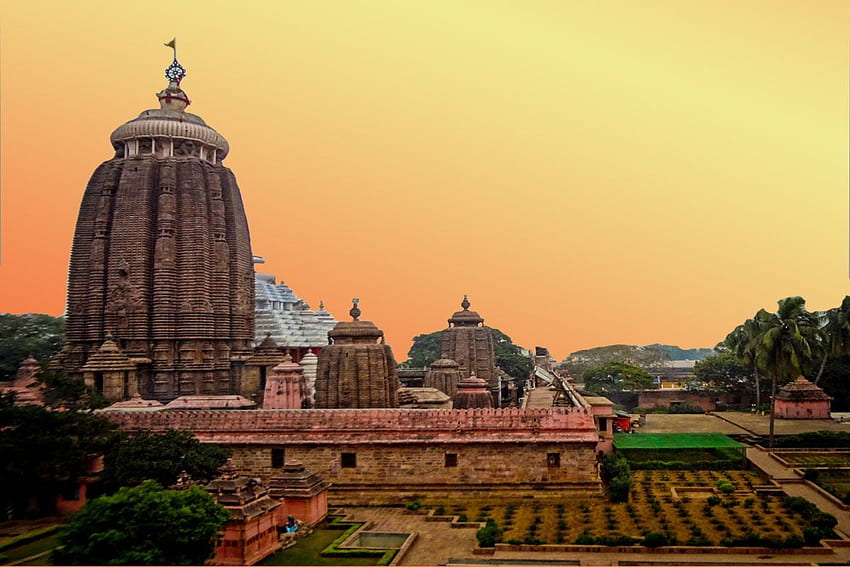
(717, 465)
(814, 439)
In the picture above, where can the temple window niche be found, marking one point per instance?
(348, 460)
(278, 457)
(451, 460)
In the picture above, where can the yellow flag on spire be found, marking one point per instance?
(172, 44)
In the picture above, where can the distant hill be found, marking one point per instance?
(677, 353)
(649, 356)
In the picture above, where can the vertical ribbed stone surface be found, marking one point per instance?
(357, 370)
(161, 257)
(469, 343)
(443, 375)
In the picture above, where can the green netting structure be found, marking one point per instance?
(680, 450)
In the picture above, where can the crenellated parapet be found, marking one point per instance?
(372, 425)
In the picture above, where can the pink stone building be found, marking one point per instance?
(286, 387)
(304, 494)
(802, 400)
(251, 533)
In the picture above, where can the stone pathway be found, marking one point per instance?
(792, 484)
(435, 543)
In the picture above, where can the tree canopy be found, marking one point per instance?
(143, 525)
(30, 334)
(723, 372)
(160, 457)
(42, 449)
(616, 377)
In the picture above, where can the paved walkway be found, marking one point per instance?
(792, 484)
(435, 543)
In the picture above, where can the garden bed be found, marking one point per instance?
(654, 516)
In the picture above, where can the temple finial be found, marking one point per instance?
(321, 305)
(355, 310)
(465, 303)
(174, 72)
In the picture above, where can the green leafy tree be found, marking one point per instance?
(616, 377)
(31, 334)
(724, 373)
(787, 341)
(143, 525)
(742, 342)
(160, 457)
(617, 476)
(425, 350)
(41, 450)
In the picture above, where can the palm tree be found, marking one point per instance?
(787, 341)
(836, 328)
(741, 342)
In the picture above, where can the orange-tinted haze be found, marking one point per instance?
(588, 172)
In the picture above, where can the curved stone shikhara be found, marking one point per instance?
(355, 370)
(161, 259)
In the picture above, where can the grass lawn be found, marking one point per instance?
(306, 551)
(32, 548)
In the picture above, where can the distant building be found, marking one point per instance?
(674, 374)
(802, 400)
(285, 317)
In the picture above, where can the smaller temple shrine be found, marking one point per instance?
(266, 356)
(472, 393)
(286, 387)
(444, 375)
(304, 494)
(357, 370)
(802, 400)
(251, 533)
(111, 372)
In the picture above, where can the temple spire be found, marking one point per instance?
(355, 309)
(465, 303)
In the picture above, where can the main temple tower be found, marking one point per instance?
(161, 257)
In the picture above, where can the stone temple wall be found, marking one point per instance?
(393, 456)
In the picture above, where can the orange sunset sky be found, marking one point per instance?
(588, 172)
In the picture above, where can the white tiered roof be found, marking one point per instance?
(289, 320)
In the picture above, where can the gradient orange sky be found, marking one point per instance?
(588, 172)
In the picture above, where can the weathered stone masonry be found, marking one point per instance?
(391, 455)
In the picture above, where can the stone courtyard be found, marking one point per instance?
(439, 543)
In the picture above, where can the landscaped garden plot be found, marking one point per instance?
(692, 451)
(308, 550)
(836, 482)
(738, 518)
(817, 458)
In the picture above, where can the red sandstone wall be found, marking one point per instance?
(815, 409)
(401, 454)
(704, 400)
